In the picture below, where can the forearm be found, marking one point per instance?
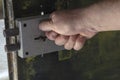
(104, 16)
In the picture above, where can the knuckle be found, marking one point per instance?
(53, 16)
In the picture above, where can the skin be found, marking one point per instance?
(71, 28)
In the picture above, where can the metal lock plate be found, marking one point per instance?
(29, 37)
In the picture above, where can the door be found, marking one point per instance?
(98, 60)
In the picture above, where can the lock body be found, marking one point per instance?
(33, 41)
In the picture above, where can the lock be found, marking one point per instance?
(33, 41)
(43, 38)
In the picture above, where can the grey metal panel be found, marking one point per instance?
(28, 31)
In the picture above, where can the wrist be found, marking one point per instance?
(90, 20)
(104, 16)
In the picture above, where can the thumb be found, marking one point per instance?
(46, 26)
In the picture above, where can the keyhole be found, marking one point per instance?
(43, 38)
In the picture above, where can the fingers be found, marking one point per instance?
(51, 35)
(54, 17)
(79, 42)
(75, 42)
(70, 43)
(61, 40)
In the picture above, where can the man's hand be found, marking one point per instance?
(73, 41)
(72, 28)
(68, 23)
(67, 28)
